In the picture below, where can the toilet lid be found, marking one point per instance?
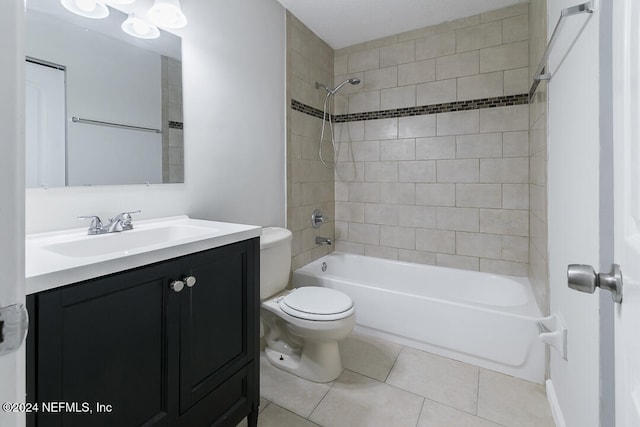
(315, 300)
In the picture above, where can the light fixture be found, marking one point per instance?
(140, 28)
(95, 9)
(167, 14)
(163, 13)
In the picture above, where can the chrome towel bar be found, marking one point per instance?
(542, 73)
(113, 125)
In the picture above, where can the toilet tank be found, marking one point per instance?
(275, 260)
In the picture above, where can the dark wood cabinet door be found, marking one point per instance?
(103, 342)
(218, 324)
(131, 351)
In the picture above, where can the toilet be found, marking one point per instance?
(302, 326)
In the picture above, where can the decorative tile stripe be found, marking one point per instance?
(304, 108)
(448, 107)
(175, 125)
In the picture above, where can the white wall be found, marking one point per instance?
(233, 77)
(233, 72)
(573, 209)
(12, 193)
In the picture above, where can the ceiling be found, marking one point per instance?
(343, 23)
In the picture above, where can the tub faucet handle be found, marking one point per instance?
(318, 218)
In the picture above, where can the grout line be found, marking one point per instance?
(387, 384)
(323, 397)
(394, 365)
(403, 390)
(367, 376)
(265, 406)
(460, 410)
(424, 399)
(478, 394)
(297, 415)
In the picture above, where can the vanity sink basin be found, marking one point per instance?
(128, 241)
(64, 257)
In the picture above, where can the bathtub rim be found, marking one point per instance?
(528, 310)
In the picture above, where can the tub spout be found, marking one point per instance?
(323, 240)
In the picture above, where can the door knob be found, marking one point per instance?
(190, 281)
(176, 285)
(584, 278)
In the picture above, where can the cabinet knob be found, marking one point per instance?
(176, 285)
(190, 281)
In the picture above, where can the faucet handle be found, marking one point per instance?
(127, 215)
(318, 218)
(123, 220)
(96, 223)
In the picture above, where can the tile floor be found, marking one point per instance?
(389, 385)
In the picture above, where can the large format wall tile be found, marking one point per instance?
(433, 160)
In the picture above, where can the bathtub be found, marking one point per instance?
(483, 319)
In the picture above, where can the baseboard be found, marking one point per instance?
(556, 412)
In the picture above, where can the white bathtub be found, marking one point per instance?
(478, 318)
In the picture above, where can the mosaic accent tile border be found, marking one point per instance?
(176, 125)
(448, 107)
(304, 108)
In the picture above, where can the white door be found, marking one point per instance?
(45, 126)
(626, 145)
(11, 195)
(573, 209)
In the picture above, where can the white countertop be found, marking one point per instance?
(64, 257)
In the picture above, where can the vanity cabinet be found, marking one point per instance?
(132, 348)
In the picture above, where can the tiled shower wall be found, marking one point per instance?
(538, 260)
(309, 184)
(172, 122)
(450, 187)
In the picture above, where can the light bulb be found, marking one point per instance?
(141, 27)
(86, 5)
(95, 9)
(167, 13)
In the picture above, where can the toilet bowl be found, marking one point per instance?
(302, 326)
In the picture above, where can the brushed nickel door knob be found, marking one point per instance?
(584, 278)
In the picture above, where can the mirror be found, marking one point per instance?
(102, 107)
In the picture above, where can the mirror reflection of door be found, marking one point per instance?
(45, 125)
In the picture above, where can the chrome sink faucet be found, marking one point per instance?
(120, 222)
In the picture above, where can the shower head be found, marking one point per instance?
(352, 80)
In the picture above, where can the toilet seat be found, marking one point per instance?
(317, 303)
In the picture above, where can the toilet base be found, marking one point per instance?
(318, 362)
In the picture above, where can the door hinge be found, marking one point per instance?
(14, 323)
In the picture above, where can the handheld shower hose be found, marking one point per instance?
(327, 116)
